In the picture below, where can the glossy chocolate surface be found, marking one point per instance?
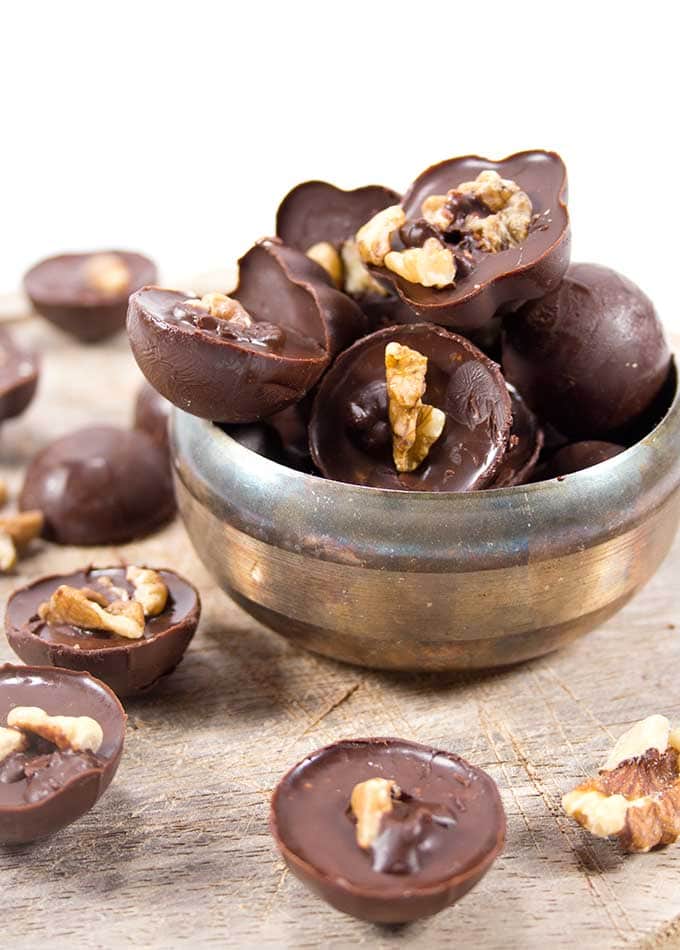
(100, 485)
(212, 369)
(317, 211)
(591, 357)
(127, 666)
(19, 372)
(524, 445)
(42, 790)
(504, 280)
(580, 455)
(350, 435)
(440, 838)
(151, 414)
(59, 290)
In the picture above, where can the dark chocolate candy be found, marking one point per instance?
(487, 283)
(579, 455)
(524, 445)
(44, 789)
(100, 485)
(590, 357)
(257, 437)
(350, 434)
(317, 212)
(19, 371)
(291, 426)
(63, 290)
(151, 415)
(127, 666)
(216, 370)
(443, 834)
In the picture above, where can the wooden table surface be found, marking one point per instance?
(178, 850)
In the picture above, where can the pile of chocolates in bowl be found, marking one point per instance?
(435, 341)
(438, 341)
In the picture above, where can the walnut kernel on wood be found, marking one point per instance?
(415, 427)
(636, 796)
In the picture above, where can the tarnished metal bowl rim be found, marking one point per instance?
(425, 531)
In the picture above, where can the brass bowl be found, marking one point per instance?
(427, 581)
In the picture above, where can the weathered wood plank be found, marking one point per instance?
(178, 850)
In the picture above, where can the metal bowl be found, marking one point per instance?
(427, 581)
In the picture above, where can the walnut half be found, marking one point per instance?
(636, 796)
(78, 733)
(415, 427)
(369, 801)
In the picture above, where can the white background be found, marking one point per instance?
(176, 129)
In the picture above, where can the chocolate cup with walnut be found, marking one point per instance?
(298, 323)
(499, 282)
(127, 666)
(58, 692)
(60, 292)
(636, 796)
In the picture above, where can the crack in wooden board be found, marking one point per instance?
(178, 851)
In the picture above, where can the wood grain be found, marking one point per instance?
(178, 851)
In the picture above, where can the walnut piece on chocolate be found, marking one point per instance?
(107, 273)
(150, 590)
(369, 801)
(325, 254)
(11, 740)
(76, 733)
(636, 795)
(432, 265)
(415, 426)
(221, 307)
(80, 608)
(374, 238)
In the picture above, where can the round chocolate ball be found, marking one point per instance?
(100, 485)
(591, 356)
(580, 455)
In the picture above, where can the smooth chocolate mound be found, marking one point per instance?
(19, 372)
(127, 666)
(43, 789)
(444, 832)
(61, 289)
(350, 434)
(488, 283)
(100, 485)
(579, 456)
(151, 415)
(524, 445)
(214, 368)
(591, 357)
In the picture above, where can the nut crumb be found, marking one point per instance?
(327, 256)
(369, 801)
(432, 265)
(373, 238)
(222, 308)
(77, 733)
(636, 796)
(415, 427)
(72, 606)
(11, 740)
(150, 590)
(107, 273)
